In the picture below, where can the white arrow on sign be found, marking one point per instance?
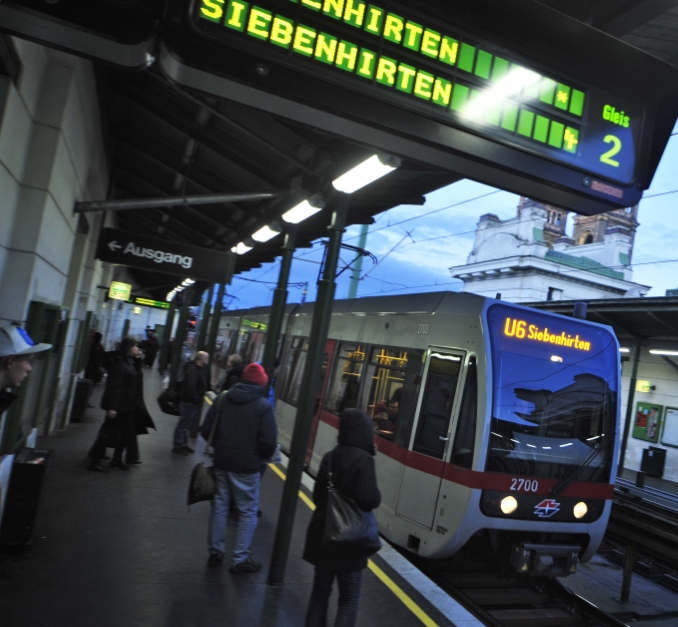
(114, 245)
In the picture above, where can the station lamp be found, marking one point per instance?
(656, 351)
(241, 248)
(365, 173)
(265, 233)
(305, 209)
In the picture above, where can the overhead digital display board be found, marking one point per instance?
(412, 61)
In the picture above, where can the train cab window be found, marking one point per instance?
(344, 385)
(465, 437)
(293, 370)
(382, 396)
(436, 410)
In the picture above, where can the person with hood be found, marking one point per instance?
(123, 400)
(353, 474)
(245, 435)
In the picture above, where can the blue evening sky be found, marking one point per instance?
(415, 245)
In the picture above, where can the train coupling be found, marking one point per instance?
(545, 560)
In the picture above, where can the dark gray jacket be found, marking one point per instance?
(354, 476)
(246, 433)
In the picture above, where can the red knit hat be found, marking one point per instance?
(254, 373)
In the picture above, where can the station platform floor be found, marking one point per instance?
(123, 550)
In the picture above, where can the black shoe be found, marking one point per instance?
(180, 451)
(259, 513)
(117, 463)
(215, 559)
(96, 466)
(188, 449)
(248, 566)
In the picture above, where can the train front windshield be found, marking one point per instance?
(554, 396)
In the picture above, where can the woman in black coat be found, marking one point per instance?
(123, 400)
(353, 474)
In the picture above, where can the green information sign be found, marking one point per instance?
(119, 291)
(147, 302)
(405, 59)
(647, 422)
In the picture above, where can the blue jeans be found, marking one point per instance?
(349, 597)
(245, 491)
(188, 411)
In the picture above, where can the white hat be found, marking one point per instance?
(15, 341)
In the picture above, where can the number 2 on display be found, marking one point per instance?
(606, 157)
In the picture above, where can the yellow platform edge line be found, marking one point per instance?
(385, 579)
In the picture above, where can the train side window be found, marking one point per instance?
(436, 409)
(465, 438)
(344, 385)
(385, 376)
(409, 396)
(294, 370)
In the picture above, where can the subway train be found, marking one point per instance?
(496, 425)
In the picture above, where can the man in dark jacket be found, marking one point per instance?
(192, 392)
(232, 374)
(246, 435)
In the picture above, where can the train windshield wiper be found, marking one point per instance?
(559, 487)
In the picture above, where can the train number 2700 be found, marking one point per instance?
(524, 485)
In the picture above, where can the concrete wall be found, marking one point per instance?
(51, 155)
(665, 378)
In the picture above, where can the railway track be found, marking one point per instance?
(514, 602)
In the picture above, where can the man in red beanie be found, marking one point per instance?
(246, 435)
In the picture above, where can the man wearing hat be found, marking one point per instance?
(246, 435)
(16, 352)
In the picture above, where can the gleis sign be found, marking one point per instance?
(131, 249)
(466, 82)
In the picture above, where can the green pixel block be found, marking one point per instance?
(500, 68)
(493, 114)
(236, 15)
(509, 118)
(563, 96)
(525, 122)
(466, 56)
(483, 64)
(541, 129)
(325, 48)
(556, 134)
(577, 102)
(570, 139)
(548, 90)
(459, 97)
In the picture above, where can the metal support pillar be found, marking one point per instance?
(166, 338)
(125, 328)
(305, 409)
(218, 305)
(629, 563)
(629, 407)
(355, 277)
(180, 335)
(279, 301)
(205, 319)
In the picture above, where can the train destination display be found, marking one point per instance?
(462, 81)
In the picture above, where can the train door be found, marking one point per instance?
(320, 391)
(430, 438)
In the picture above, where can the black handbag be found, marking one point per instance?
(110, 433)
(203, 484)
(169, 403)
(348, 525)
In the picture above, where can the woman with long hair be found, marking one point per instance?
(126, 413)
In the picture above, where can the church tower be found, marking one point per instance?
(594, 229)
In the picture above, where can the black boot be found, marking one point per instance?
(95, 466)
(118, 463)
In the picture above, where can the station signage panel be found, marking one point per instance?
(119, 290)
(148, 302)
(413, 61)
(132, 249)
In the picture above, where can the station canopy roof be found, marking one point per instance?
(165, 140)
(653, 321)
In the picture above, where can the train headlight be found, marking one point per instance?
(509, 504)
(580, 510)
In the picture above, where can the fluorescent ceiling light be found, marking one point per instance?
(363, 174)
(241, 248)
(264, 234)
(299, 213)
(662, 352)
(624, 350)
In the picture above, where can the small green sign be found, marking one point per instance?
(120, 291)
(647, 422)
